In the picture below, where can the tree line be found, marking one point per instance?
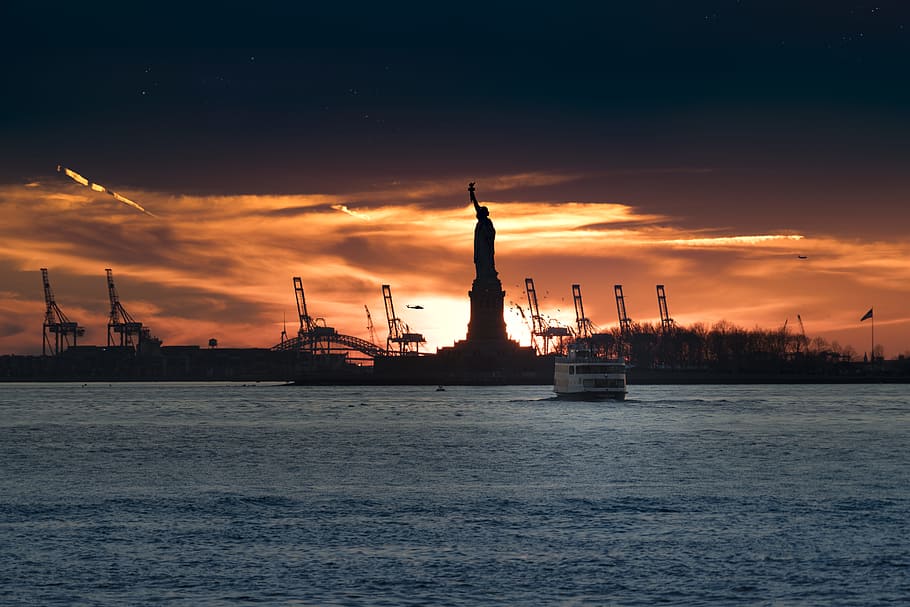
(722, 346)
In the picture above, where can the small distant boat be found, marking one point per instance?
(440, 389)
(584, 374)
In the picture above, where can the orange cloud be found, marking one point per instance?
(221, 266)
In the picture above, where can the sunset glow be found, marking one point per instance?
(566, 304)
(177, 274)
(756, 176)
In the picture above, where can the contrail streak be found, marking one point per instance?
(100, 188)
(722, 241)
(344, 209)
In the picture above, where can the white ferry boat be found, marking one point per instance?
(583, 374)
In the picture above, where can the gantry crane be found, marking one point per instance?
(585, 327)
(802, 340)
(666, 323)
(539, 327)
(370, 326)
(284, 330)
(120, 322)
(399, 333)
(625, 323)
(306, 322)
(318, 344)
(313, 332)
(536, 320)
(56, 323)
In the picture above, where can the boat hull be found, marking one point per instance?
(591, 396)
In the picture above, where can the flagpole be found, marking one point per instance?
(870, 314)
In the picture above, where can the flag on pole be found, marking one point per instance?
(866, 315)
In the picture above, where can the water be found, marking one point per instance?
(224, 494)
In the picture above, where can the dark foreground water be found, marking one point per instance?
(221, 494)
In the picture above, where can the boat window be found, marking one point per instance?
(599, 369)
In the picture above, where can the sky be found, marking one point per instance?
(705, 146)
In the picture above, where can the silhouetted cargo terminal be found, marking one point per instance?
(450, 366)
(319, 354)
(170, 363)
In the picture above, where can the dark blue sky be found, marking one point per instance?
(814, 97)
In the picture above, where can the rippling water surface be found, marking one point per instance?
(225, 494)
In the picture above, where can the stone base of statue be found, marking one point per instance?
(487, 355)
(487, 321)
(493, 362)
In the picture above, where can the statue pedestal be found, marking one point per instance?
(486, 311)
(487, 356)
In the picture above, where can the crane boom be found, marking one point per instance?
(394, 332)
(120, 321)
(625, 323)
(49, 316)
(370, 324)
(306, 322)
(666, 323)
(540, 328)
(536, 321)
(802, 341)
(56, 323)
(584, 325)
(532, 305)
(399, 333)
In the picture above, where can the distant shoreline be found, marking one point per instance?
(251, 365)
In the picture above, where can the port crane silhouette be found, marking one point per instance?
(666, 323)
(540, 327)
(56, 323)
(131, 332)
(400, 340)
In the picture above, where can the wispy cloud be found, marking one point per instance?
(430, 191)
(221, 266)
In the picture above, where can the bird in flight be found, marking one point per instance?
(417, 307)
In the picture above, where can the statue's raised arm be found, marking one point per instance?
(473, 197)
